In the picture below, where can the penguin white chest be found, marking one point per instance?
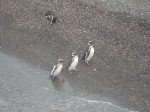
(58, 70)
(73, 64)
(90, 54)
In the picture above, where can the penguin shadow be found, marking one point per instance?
(58, 83)
(89, 64)
(87, 67)
(73, 72)
(83, 63)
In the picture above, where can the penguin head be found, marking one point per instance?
(60, 60)
(90, 43)
(49, 14)
(74, 54)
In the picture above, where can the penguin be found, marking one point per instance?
(51, 17)
(57, 68)
(89, 53)
(74, 62)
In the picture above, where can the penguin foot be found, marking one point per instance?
(87, 62)
(76, 70)
(51, 76)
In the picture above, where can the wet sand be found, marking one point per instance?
(25, 88)
(121, 40)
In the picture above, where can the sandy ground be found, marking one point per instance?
(119, 72)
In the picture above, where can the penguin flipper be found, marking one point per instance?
(87, 54)
(54, 68)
